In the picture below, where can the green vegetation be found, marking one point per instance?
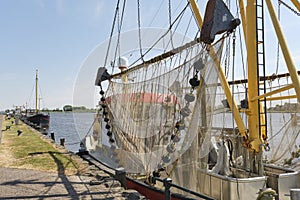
(286, 107)
(31, 151)
(69, 108)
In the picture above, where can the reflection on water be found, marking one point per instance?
(71, 126)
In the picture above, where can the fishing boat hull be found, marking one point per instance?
(39, 120)
(150, 192)
(240, 186)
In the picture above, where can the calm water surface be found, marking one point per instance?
(71, 126)
(75, 126)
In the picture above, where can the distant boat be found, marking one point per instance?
(34, 117)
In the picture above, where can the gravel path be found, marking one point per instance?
(1, 120)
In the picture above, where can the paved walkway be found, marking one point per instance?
(30, 184)
(1, 120)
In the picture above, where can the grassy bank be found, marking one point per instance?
(31, 150)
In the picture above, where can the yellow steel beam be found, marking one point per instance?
(290, 86)
(197, 13)
(253, 119)
(285, 51)
(243, 17)
(281, 98)
(296, 4)
(222, 77)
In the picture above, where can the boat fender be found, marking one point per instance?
(109, 133)
(107, 126)
(106, 119)
(199, 65)
(189, 97)
(171, 148)
(185, 111)
(194, 82)
(166, 158)
(152, 179)
(175, 138)
(180, 125)
(101, 92)
(111, 140)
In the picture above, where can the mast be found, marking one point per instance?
(251, 41)
(36, 92)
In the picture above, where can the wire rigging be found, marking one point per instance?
(170, 22)
(160, 38)
(118, 46)
(289, 7)
(139, 29)
(111, 32)
(278, 46)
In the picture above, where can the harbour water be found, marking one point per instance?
(75, 126)
(71, 126)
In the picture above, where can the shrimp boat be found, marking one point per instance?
(35, 118)
(183, 115)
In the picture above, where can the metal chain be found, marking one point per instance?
(290, 8)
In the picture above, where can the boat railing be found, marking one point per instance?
(120, 175)
(167, 182)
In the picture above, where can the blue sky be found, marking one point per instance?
(57, 36)
(52, 36)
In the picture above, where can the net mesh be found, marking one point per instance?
(164, 111)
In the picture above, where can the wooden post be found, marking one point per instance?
(52, 136)
(62, 142)
(121, 176)
(167, 184)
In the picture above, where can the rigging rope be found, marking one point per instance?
(118, 46)
(139, 29)
(278, 47)
(170, 22)
(159, 39)
(112, 32)
(233, 66)
(160, 5)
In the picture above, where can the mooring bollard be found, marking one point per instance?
(52, 136)
(62, 142)
(167, 184)
(19, 132)
(121, 176)
(44, 131)
(17, 121)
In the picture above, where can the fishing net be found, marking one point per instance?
(161, 116)
(283, 125)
